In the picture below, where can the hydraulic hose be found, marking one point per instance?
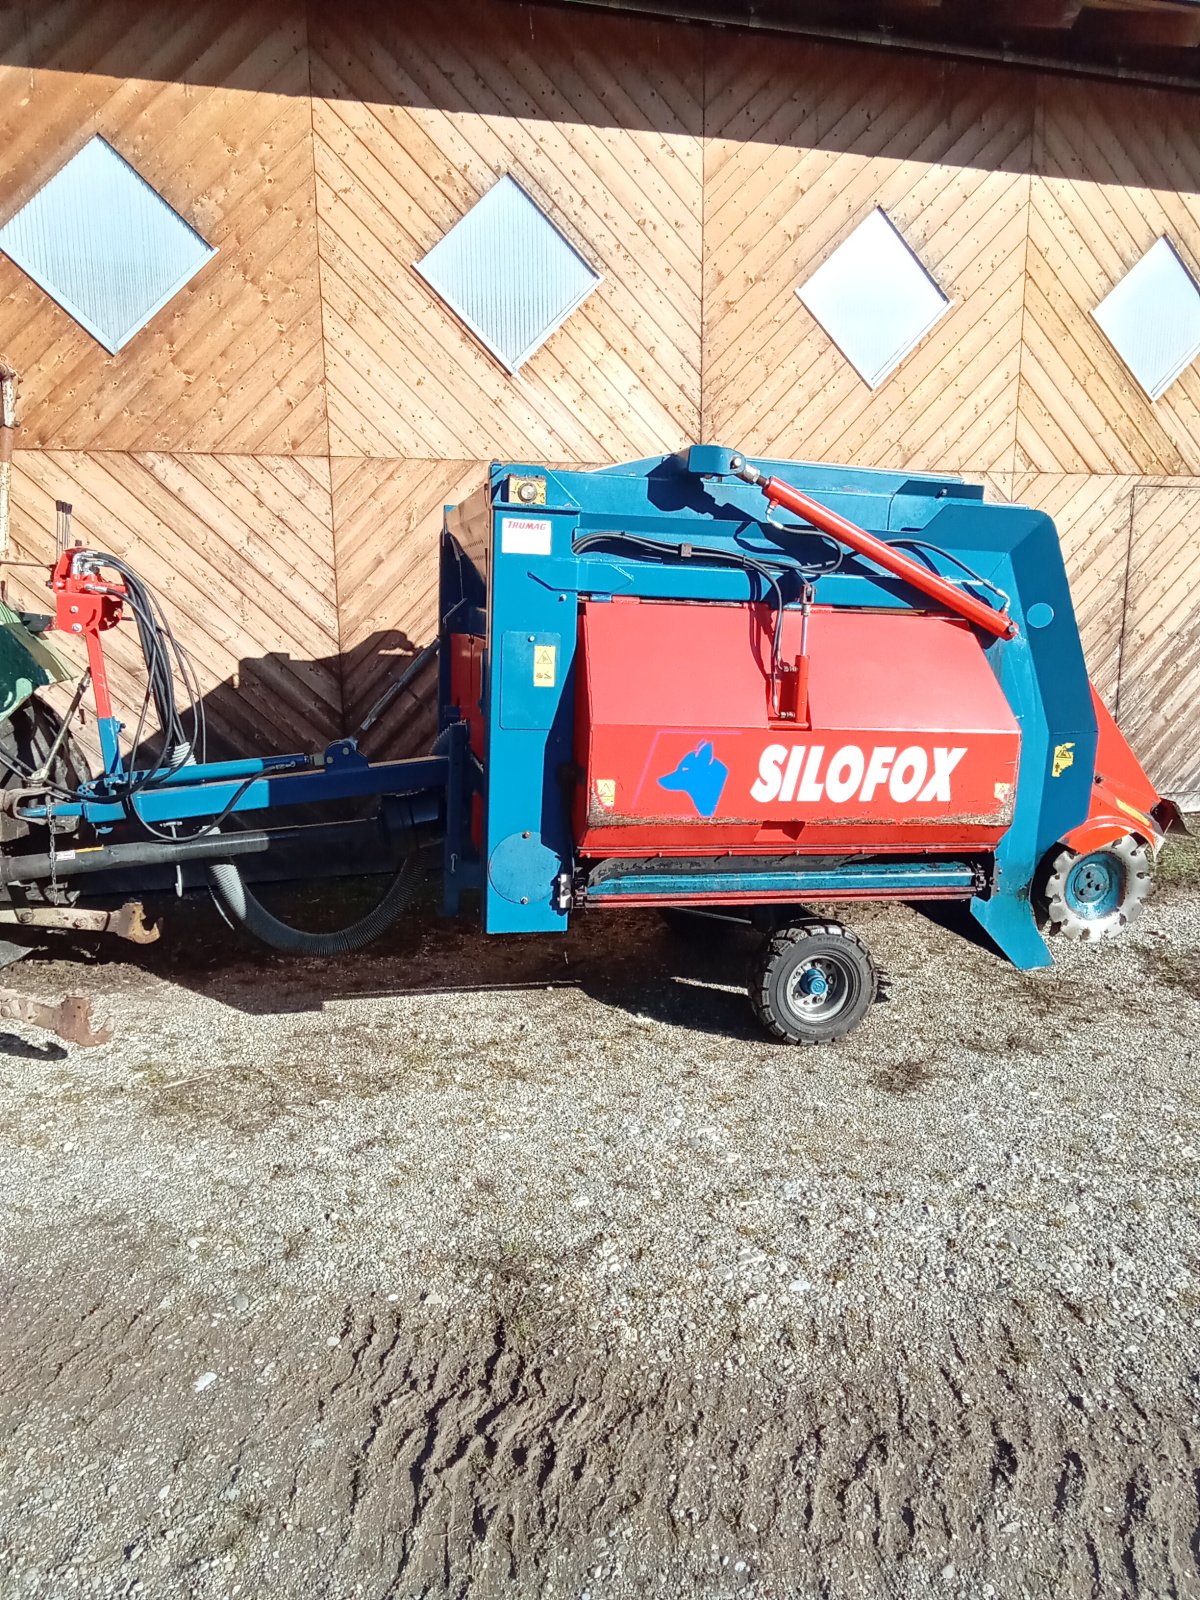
(232, 894)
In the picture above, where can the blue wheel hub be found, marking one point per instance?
(1094, 885)
(813, 982)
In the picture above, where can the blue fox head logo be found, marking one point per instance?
(700, 776)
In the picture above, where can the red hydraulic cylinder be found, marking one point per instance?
(977, 611)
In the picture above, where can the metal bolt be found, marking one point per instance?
(74, 611)
(525, 835)
(531, 638)
(524, 899)
(76, 627)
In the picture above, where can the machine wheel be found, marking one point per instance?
(813, 982)
(1094, 895)
(26, 739)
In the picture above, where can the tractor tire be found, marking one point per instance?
(1097, 894)
(813, 982)
(26, 739)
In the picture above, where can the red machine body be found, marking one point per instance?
(902, 740)
(1123, 799)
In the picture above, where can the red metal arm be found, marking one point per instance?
(86, 605)
(779, 493)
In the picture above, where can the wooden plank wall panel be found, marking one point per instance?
(1159, 705)
(240, 552)
(706, 174)
(1092, 515)
(210, 104)
(417, 111)
(804, 141)
(387, 522)
(1117, 168)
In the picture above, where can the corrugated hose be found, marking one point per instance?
(235, 898)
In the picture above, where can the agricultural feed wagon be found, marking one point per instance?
(711, 685)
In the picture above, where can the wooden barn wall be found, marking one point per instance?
(275, 447)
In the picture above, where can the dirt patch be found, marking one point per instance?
(477, 1268)
(905, 1077)
(1179, 864)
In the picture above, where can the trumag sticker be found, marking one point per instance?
(525, 536)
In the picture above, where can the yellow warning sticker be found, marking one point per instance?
(544, 663)
(1064, 757)
(606, 792)
(1132, 811)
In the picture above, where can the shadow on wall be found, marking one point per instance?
(265, 708)
(499, 58)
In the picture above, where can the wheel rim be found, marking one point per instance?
(820, 987)
(1094, 885)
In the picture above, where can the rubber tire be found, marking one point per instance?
(778, 959)
(1136, 866)
(28, 736)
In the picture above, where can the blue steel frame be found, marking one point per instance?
(208, 789)
(534, 579)
(203, 790)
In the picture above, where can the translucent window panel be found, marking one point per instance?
(104, 244)
(874, 298)
(1152, 318)
(507, 271)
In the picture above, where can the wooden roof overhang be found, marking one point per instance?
(1147, 40)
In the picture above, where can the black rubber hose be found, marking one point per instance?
(230, 889)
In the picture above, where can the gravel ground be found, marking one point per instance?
(500, 1268)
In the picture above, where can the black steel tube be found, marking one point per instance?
(155, 853)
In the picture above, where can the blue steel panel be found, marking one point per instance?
(878, 877)
(508, 272)
(529, 678)
(104, 244)
(526, 826)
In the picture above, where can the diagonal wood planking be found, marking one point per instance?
(387, 523)
(1159, 705)
(1132, 551)
(240, 552)
(210, 104)
(415, 116)
(1092, 515)
(804, 142)
(1117, 168)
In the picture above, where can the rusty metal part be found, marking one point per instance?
(71, 1018)
(127, 922)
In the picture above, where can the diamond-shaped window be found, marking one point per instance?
(508, 273)
(1152, 318)
(874, 298)
(104, 244)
